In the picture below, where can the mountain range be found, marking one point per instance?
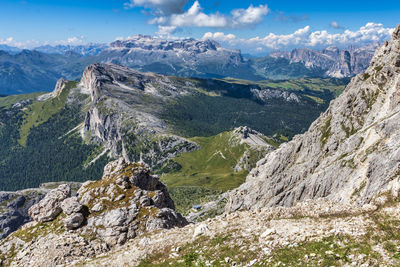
(38, 70)
(328, 197)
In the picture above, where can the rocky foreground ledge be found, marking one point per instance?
(127, 202)
(312, 233)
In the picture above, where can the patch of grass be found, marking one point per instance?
(41, 229)
(378, 68)
(41, 111)
(206, 251)
(330, 251)
(185, 197)
(206, 172)
(326, 131)
(366, 76)
(9, 101)
(209, 167)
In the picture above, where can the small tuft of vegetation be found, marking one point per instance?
(326, 131)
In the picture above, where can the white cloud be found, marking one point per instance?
(252, 15)
(336, 25)
(220, 36)
(166, 31)
(71, 41)
(304, 37)
(196, 17)
(10, 41)
(163, 7)
(193, 17)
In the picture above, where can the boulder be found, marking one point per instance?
(50, 206)
(71, 205)
(73, 221)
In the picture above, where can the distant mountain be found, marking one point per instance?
(10, 49)
(32, 71)
(188, 58)
(118, 111)
(333, 61)
(38, 70)
(83, 50)
(349, 155)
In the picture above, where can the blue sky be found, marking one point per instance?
(238, 24)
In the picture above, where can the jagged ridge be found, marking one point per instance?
(350, 154)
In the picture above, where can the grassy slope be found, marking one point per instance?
(333, 85)
(8, 101)
(211, 166)
(206, 172)
(41, 111)
(48, 154)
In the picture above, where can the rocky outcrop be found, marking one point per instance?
(258, 145)
(335, 62)
(144, 203)
(121, 119)
(14, 206)
(350, 154)
(266, 94)
(50, 206)
(14, 209)
(184, 57)
(127, 202)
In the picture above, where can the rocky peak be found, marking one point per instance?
(396, 33)
(119, 113)
(60, 85)
(350, 153)
(146, 42)
(336, 62)
(127, 202)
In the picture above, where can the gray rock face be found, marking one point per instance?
(188, 58)
(71, 205)
(145, 204)
(14, 209)
(350, 154)
(266, 94)
(14, 206)
(121, 119)
(50, 206)
(95, 221)
(337, 63)
(73, 221)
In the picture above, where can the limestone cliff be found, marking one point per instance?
(124, 114)
(350, 154)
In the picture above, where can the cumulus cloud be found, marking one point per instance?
(195, 17)
(220, 36)
(10, 41)
(169, 20)
(250, 16)
(163, 7)
(304, 37)
(166, 30)
(76, 40)
(335, 25)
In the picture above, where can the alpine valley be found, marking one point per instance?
(155, 152)
(38, 69)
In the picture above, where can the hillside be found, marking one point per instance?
(349, 154)
(328, 197)
(116, 111)
(36, 70)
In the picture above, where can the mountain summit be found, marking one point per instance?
(350, 154)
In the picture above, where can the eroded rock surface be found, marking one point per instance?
(350, 154)
(127, 202)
